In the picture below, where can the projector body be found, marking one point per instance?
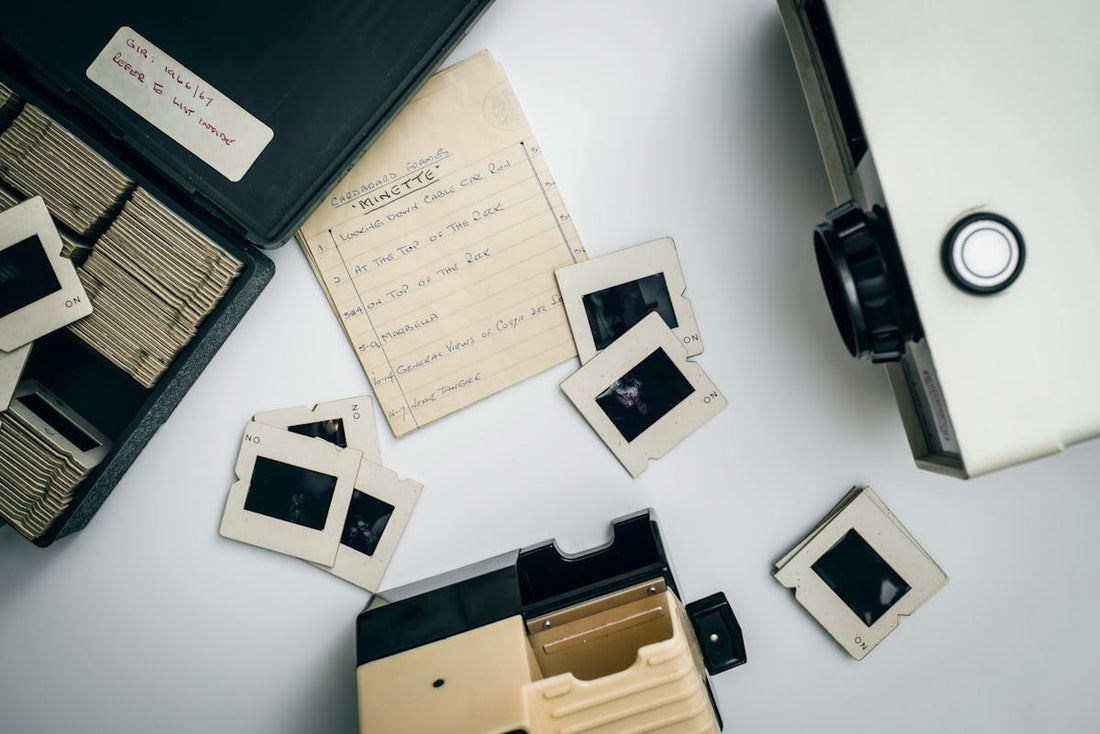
(962, 135)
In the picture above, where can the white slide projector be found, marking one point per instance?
(960, 139)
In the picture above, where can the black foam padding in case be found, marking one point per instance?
(125, 411)
(58, 421)
(89, 383)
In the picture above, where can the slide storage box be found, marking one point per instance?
(318, 82)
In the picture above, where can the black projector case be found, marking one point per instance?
(356, 62)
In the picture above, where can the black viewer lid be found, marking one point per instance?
(325, 77)
(531, 582)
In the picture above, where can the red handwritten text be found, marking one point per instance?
(217, 133)
(196, 90)
(128, 67)
(142, 51)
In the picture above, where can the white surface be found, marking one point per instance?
(657, 119)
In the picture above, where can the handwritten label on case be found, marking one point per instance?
(180, 104)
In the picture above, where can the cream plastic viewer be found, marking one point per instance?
(488, 681)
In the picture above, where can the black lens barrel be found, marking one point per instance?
(865, 282)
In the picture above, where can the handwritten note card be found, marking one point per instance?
(178, 103)
(438, 250)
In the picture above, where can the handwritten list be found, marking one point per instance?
(437, 250)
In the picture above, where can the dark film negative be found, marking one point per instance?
(347, 423)
(859, 576)
(612, 311)
(607, 296)
(366, 521)
(25, 275)
(380, 507)
(644, 395)
(329, 430)
(859, 572)
(291, 493)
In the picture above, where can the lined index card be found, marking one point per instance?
(438, 249)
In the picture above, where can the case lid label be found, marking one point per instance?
(180, 104)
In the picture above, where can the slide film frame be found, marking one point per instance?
(623, 268)
(54, 309)
(381, 484)
(278, 446)
(87, 458)
(12, 365)
(356, 417)
(861, 510)
(595, 381)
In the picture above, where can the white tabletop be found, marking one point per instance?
(686, 122)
